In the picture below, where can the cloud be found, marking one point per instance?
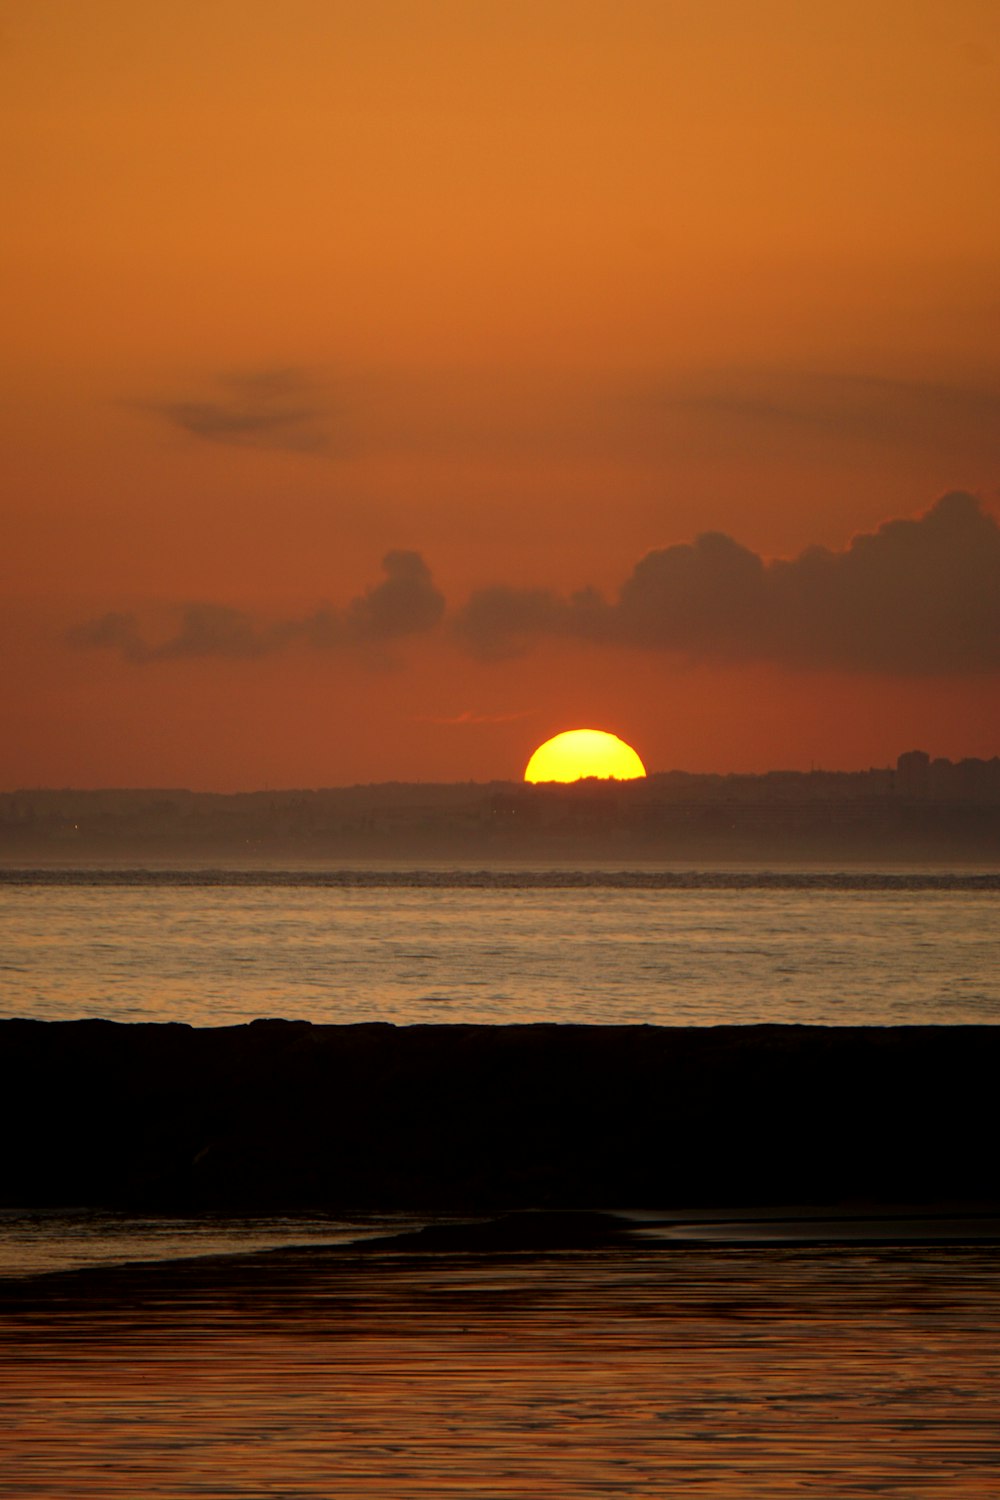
(470, 717)
(960, 422)
(502, 621)
(204, 629)
(549, 417)
(405, 603)
(916, 596)
(257, 409)
(115, 631)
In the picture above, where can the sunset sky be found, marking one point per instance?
(388, 385)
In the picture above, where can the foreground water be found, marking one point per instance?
(596, 946)
(725, 1373)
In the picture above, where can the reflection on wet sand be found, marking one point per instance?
(636, 1370)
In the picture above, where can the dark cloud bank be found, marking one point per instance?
(915, 597)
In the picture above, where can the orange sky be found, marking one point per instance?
(535, 291)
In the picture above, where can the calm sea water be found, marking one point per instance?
(594, 946)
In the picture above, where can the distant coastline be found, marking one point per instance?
(923, 809)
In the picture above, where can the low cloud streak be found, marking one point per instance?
(405, 603)
(960, 421)
(274, 409)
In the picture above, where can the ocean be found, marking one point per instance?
(730, 1355)
(594, 946)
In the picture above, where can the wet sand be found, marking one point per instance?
(576, 1363)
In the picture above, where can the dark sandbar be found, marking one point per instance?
(287, 1115)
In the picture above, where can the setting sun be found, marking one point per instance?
(584, 752)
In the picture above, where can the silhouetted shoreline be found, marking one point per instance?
(922, 810)
(287, 1115)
